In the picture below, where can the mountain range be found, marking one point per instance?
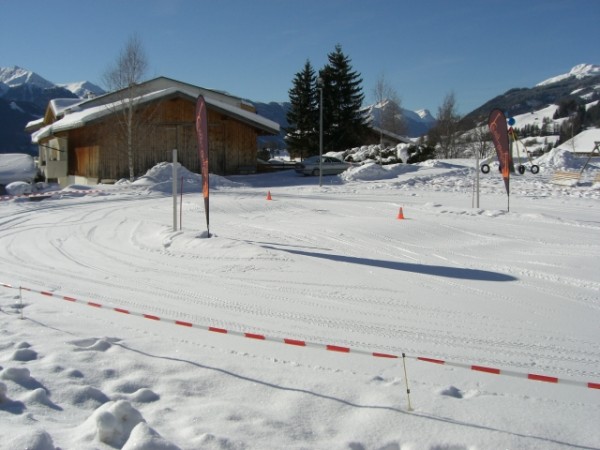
(24, 96)
(581, 83)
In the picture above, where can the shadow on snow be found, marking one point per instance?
(424, 269)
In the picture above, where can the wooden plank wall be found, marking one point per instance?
(166, 125)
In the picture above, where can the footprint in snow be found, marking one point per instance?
(452, 392)
(94, 344)
(40, 396)
(24, 355)
(8, 405)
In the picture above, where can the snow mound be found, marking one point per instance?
(112, 423)
(143, 437)
(375, 153)
(121, 426)
(436, 164)
(19, 188)
(373, 171)
(24, 354)
(32, 440)
(16, 167)
(19, 375)
(559, 159)
(160, 178)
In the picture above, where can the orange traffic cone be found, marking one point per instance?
(269, 196)
(400, 214)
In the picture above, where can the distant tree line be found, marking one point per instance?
(579, 118)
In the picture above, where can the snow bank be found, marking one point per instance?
(373, 171)
(374, 153)
(160, 178)
(16, 167)
(559, 159)
(19, 188)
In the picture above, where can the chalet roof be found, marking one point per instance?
(60, 105)
(79, 114)
(394, 136)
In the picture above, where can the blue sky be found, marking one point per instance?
(424, 49)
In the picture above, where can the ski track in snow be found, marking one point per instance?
(77, 256)
(468, 285)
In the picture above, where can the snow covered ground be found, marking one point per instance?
(331, 265)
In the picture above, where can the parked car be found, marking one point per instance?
(330, 166)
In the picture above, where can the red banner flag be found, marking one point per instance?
(202, 135)
(499, 130)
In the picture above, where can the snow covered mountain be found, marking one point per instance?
(417, 122)
(16, 77)
(579, 72)
(83, 89)
(581, 83)
(24, 96)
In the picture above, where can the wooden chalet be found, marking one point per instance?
(83, 142)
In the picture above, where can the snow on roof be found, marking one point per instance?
(249, 116)
(35, 123)
(78, 118)
(59, 105)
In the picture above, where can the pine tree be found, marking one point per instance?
(303, 116)
(343, 123)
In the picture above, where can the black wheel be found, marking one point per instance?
(485, 168)
(535, 169)
(521, 169)
(315, 172)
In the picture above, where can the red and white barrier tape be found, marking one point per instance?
(327, 347)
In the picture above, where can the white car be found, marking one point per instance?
(330, 166)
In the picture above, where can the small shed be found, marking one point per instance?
(86, 143)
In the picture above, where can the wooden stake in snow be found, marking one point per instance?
(406, 379)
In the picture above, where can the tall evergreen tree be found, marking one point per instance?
(303, 116)
(343, 123)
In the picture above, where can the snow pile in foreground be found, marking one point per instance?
(120, 425)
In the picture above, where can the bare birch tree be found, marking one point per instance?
(124, 77)
(390, 118)
(445, 133)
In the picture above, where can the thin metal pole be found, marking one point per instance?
(181, 206)
(175, 189)
(321, 136)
